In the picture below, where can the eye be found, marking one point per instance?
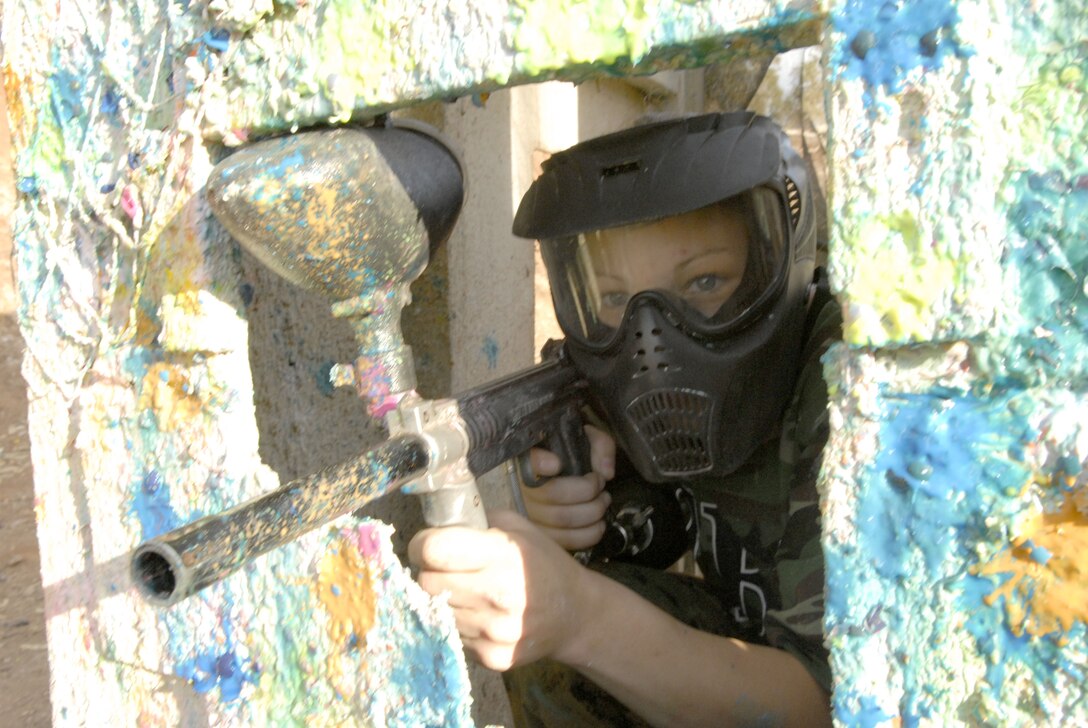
(614, 299)
(708, 283)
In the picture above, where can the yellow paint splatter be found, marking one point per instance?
(345, 589)
(901, 278)
(188, 302)
(1048, 567)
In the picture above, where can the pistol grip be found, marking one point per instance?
(570, 443)
(568, 440)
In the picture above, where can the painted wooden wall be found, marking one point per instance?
(955, 499)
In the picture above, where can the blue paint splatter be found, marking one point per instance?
(945, 479)
(491, 351)
(1039, 554)
(111, 103)
(884, 41)
(323, 378)
(66, 97)
(151, 505)
(209, 670)
(944, 456)
(987, 625)
(218, 39)
(1050, 262)
(218, 666)
(430, 672)
(867, 715)
(287, 164)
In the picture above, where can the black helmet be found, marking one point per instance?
(680, 255)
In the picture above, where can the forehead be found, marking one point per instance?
(720, 227)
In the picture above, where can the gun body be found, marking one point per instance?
(538, 406)
(436, 450)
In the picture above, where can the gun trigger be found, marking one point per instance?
(525, 471)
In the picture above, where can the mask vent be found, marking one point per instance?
(793, 199)
(674, 426)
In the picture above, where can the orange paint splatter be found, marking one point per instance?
(147, 327)
(167, 392)
(1048, 566)
(345, 589)
(14, 85)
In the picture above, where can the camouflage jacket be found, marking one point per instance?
(757, 539)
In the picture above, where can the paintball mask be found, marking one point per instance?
(680, 256)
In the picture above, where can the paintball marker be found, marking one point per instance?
(355, 213)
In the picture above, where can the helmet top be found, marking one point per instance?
(655, 171)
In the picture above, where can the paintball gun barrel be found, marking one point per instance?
(436, 448)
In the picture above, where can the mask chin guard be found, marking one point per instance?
(674, 426)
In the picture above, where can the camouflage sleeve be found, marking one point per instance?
(798, 626)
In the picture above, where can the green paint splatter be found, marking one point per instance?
(43, 163)
(559, 33)
(355, 52)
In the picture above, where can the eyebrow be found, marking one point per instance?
(619, 278)
(703, 254)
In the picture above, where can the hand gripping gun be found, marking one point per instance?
(355, 213)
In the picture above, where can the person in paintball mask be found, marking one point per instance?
(681, 257)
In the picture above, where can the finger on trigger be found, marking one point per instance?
(545, 463)
(569, 490)
(602, 451)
